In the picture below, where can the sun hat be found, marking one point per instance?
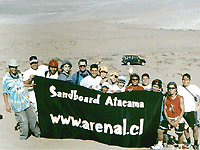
(113, 73)
(53, 63)
(103, 68)
(64, 62)
(13, 63)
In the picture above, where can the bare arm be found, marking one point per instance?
(28, 83)
(165, 112)
(182, 110)
(5, 96)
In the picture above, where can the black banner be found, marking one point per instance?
(128, 119)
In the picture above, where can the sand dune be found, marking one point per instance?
(104, 36)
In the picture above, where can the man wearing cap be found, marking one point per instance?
(28, 75)
(65, 75)
(13, 88)
(173, 111)
(52, 73)
(103, 71)
(82, 73)
(92, 81)
(133, 83)
(105, 87)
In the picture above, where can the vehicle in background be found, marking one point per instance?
(133, 60)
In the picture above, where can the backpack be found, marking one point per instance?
(77, 77)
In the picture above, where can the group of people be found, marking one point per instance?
(180, 103)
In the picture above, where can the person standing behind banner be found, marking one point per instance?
(145, 82)
(92, 81)
(28, 78)
(113, 81)
(133, 83)
(65, 75)
(189, 93)
(120, 85)
(82, 73)
(103, 72)
(13, 88)
(53, 72)
(157, 87)
(173, 110)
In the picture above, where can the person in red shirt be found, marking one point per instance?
(173, 110)
(133, 83)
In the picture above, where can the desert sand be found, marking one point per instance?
(169, 53)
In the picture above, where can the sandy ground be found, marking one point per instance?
(168, 53)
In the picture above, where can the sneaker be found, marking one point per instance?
(165, 144)
(196, 147)
(188, 145)
(17, 126)
(157, 147)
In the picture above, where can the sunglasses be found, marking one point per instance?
(134, 79)
(34, 63)
(171, 88)
(82, 65)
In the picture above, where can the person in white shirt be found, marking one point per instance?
(92, 81)
(145, 82)
(120, 85)
(105, 87)
(52, 73)
(190, 93)
(113, 81)
(28, 75)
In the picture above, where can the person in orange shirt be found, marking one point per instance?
(133, 83)
(173, 110)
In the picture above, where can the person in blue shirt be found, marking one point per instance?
(13, 88)
(65, 74)
(82, 73)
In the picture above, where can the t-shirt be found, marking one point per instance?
(65, 77)
(173, 106)
(148, 87)
(137, 88)
(189, 101)
(55, 76)
(17, 92)
(39, 72)
(116, 88)
(90, 81)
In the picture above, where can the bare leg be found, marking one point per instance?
(195, 133)
(160, 134)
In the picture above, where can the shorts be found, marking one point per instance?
(190, 118)
(165, 125)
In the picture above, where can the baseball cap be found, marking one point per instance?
(122, 79)
(53, 63)
(33, 59)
